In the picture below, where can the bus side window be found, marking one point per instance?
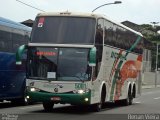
(99, 44)
(5, 41)
(18, 40)
(2, 45)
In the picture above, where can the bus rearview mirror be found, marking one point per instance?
(92, 57)
(19, 54)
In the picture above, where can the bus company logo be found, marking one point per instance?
(58, 85)
(32, 84)
(41, 22)
(56, 89)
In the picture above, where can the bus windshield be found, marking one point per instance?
(58, 64)
(63, 30)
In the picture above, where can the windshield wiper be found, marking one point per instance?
(79, 78)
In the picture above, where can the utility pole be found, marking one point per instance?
(156, 69)
(157, 61)
(156, 77)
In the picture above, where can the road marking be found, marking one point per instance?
(157, 98)
(147, 93)
(30, 107)
(137, 102)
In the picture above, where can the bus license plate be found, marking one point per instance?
(56, 98)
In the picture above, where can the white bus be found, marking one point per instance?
(82, 59)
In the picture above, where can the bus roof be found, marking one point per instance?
(12, 24)
(91, 15)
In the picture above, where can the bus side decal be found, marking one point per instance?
(116, 68)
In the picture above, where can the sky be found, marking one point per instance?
(136, 11)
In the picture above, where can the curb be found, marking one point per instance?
(149, 86)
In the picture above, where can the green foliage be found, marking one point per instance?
(150, 32)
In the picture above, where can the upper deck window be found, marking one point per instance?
(64, 30)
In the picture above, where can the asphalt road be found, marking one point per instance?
(147, 104)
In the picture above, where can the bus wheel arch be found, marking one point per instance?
(102, 98)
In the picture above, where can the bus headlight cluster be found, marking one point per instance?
(81, 91)
(34, 89)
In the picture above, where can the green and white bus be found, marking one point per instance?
(82, 59)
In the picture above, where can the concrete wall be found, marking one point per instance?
(149, 78)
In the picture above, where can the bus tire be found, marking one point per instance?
(134, 91)
(129, 99)
(48, 106)
(98, 106)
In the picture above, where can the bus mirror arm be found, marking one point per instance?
(19, 54)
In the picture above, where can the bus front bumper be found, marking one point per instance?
(63, 98)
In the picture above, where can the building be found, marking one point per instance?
(28, 22)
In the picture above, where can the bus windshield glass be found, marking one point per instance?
(63, 30)
(58, 64)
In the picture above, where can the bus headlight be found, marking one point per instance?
(34, 89)
(81, 91)
(27, 97)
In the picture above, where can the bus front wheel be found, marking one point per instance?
(48, 106)
(97, 107)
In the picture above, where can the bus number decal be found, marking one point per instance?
(80, 86)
